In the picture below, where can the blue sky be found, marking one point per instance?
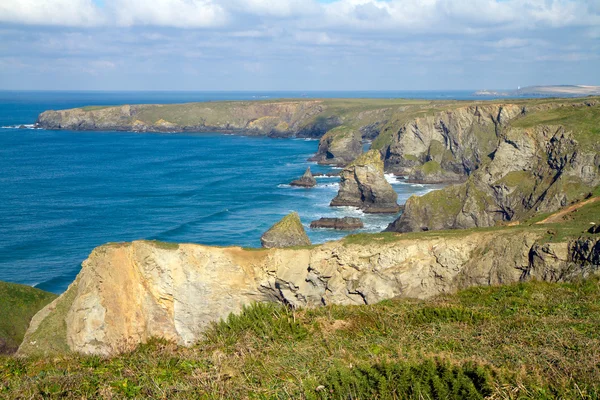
(297, 44)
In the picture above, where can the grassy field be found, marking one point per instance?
(528, 341)
(18, 304)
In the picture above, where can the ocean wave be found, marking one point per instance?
(20, 126)
(326, 177)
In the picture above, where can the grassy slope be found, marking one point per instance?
(18, 304)
(533, 340)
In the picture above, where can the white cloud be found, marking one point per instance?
(50, 12)
(173, 13)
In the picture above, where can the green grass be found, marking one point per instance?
(582, 121)
(531, 340)
(18, 304)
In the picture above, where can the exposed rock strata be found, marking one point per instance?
(363, 185)
(458, 141)
(306, 180)
(288, 232)
(533, 170)
(339, 147)
(128, 293)
(344, 224)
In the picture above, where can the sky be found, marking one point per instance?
(297, 44)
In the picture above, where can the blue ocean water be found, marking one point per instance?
(63, 193)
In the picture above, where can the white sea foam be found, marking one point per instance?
(391, 178)
(21, 126)
(326, 177)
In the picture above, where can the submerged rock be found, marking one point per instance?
(288, 232)
(307, 180)
(339, 147)
(363, 185)
(344, 224)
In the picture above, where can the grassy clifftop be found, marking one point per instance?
(527, 341)
(18, 304)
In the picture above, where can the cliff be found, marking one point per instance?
(536, 167)
(303, 118)
(339, 147)
(127, 293)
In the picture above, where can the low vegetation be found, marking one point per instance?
(527, 341)
(18, 304)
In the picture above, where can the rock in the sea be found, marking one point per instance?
(339, 147)
(307, 180)
(344, 224)
(288, 232)
(363, 185)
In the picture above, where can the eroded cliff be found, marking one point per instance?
(127, 293)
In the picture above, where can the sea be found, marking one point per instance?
(63, 193)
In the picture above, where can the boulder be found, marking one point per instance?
(307, 180)
(363, 185)
(288, 232)
(339, 147)
(344, 224)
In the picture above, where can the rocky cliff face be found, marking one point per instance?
(449, 145)
(339, 147)
(532, 170)
(363, 185)
(127, 293)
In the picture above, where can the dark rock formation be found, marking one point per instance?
(363, 185)
(339, 147)
(307, 180)
(288, 232)
(344, 224)
(594, 229)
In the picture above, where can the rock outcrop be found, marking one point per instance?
(532, 170)
(307, 180)
(127, 293)
(339, 147)
(343, 224)
(363, 185)
(456, 141)
(288, 232)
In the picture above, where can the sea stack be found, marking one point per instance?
(307, 180)
(288, 232)
(339, 147)
(363, 185)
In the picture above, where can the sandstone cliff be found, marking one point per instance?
(363, 185)
(339, 147)
(127, 293)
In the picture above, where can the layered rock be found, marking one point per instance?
(288, 232)
(306, 180)
(539, 169)
(344, 224)
(363, 185)
(127, 293)
(458, 140)
(339, 147)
